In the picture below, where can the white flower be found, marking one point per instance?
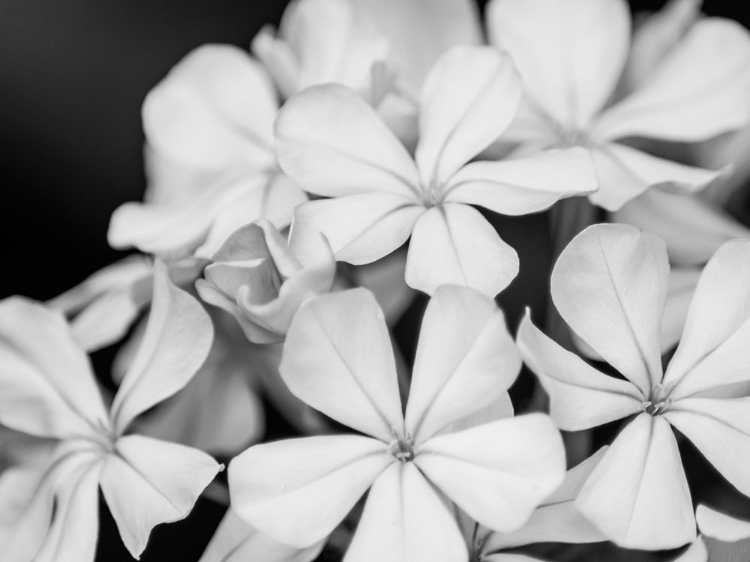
(338, 359)
(610, 286)
(333, 144)
(47, 389)
(571, 55)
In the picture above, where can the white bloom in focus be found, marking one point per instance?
(50, 508)
(333, 144)
(338, 359)
(610, 286)
(571, 55)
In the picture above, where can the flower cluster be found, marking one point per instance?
(300, 198)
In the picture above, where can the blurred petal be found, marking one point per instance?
(332, 143)
(148, 482)
(176, 342)
(385, 278)
(342, 363)
(692, 228)
(610, 286)
(466, 359)
(698, 91)
(498, 473)
(720, 429)
(236, 541)
(580, 396)
(570, 54)
(525, 185)
(298, 490)
(214, 109)
(499, 409)
(682, 283)
(720, 526)
(638, 495)
(625, 173)
(360, 228)
(47, 387)
(453, 244)
(469, 98)
(405, 520)
(714, 346)
(277, 56)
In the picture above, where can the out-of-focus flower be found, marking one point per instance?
(556, 520)
(610, 286)
(698, 90)
(50, 507)
(338, 359)
(261, 282)
(725, 537)
(332, 143)
(209, 129)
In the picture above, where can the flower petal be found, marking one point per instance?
(453, 244)
(682, 283)
(465, 361)
(341, 363)
(525, 185)
(610, 285)
(720, 526)
(236, 541)
(214, 109)
(625, 173)
(176, 343)
(698, 91)
(500, 472)
(580, 396)
(332, 143)
(148, 482)
(713, 350)
(638, 495)
(469, 98)
(404, 520)
(360, 228)
(298, 490)
(570, 54)
(47, 387)
(720, 429)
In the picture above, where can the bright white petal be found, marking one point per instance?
(468, 100)
(692, 228)
(466, 360)
(500, 472)
(610, 286)
(638, 495)
(360, 228)
(714, 347)
(405, 520)
(580, 396)
(698, 91)
(454, 244)
(625, 173)
(331, 142)
(570, 54)
(214, 109)
(148, 482)
(525, 185)
(720, 429)
(176, 343)
(236, 541)
(720, 526)
(682, 283)
(342, 363)
(47, 387)
(298, 490)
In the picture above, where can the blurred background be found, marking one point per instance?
(73, 76)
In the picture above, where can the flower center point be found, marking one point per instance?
(658, 402)
(402, 450)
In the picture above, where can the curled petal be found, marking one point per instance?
(720, 526)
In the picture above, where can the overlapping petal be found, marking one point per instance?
(465, 361)
(338, 359)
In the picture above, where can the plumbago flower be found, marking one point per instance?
(256, 278)
(47, 389)
(338, 359)
(333, 144)
(698, 90)
(609, 285)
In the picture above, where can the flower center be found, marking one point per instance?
(658, 402)
(402, 449)
(570, 137)
(432, 194)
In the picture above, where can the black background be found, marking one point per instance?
(73, 75)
